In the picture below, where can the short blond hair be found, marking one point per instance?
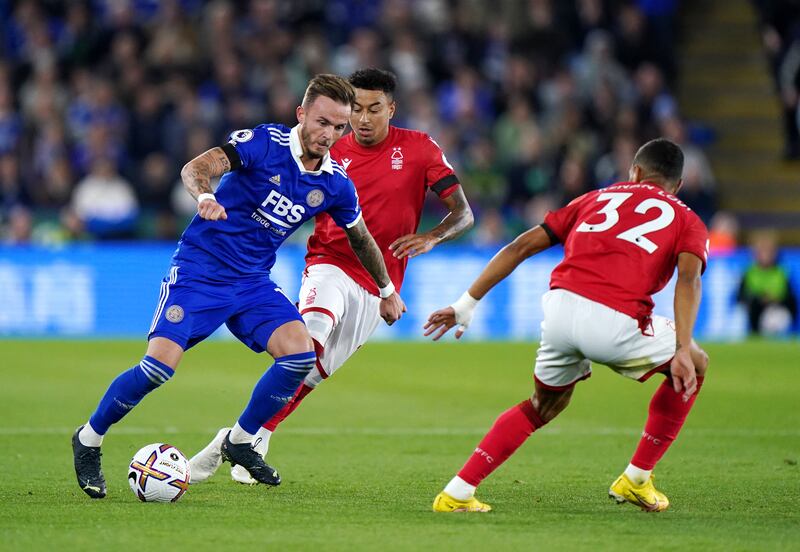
(331, 86)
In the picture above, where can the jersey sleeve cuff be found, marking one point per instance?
(550, 234)
(233, 156)
(444, 185)
(701, 256)
(356, 221)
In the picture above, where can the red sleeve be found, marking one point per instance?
(694, 239)
(560, 222)
(439, 174)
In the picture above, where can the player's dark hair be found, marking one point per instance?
(661, 157)
(330, 86)
(374, 79)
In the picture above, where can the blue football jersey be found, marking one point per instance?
(269, 197)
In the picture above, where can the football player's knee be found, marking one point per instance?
(700, 359)
(296, 343)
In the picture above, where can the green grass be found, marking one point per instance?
(363, 457)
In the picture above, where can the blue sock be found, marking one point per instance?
(127, 390)
(275, 389)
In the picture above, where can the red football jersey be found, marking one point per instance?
(391, 179)
(621, 244)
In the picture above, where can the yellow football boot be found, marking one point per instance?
(446, 503)
(645, 496)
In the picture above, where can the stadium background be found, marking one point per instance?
(101, 103)
(534, 101)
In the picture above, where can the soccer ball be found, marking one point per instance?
(159, 473)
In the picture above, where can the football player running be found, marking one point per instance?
(275, 178)
(392, 169)
(621, 245)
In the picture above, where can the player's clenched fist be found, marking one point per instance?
(209, 209)
(392, 308)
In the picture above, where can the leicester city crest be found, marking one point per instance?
(315, 198)
(174, 314)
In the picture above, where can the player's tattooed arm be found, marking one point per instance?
(367, 251)
(196, 176)
(458, 220)
(197, 173)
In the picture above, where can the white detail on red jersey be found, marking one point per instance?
(621, 244)
(397, 158)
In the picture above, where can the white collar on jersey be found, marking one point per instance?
(297, 152)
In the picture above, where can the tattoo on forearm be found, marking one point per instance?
(368, 253)
(457, 221)
(198, 172)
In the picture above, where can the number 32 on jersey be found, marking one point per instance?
(638, 234)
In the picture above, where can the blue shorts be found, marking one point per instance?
(190, 308)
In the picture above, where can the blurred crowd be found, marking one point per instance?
(534, 101)
(780, 31)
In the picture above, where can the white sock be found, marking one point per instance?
(261, 442)
(89, 437)
(239, 436)
(460, 489)
(637, 475)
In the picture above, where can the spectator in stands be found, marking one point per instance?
(530, 174)
(518, 119)
(146, 129)
(53, 189)
(490, 230)
(613, 166)
(673, 128)
(12, 190)
(572, 179)
(596, 66)
(155, 194)
(780, 27)
(20, 226)
(766, 290)
(632, 45)
(654, 101)
(723, 234)
(10, 121)
(105, 202)
(483, 181)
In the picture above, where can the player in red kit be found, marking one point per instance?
(393, 169)
(621, 245)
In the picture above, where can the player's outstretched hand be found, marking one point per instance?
(392, 308)
(684, 377)
(412, 245)
(440, 322)
(211, 210)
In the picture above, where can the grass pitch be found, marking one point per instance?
(365, 454)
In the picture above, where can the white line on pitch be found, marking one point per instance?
(411, 431)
